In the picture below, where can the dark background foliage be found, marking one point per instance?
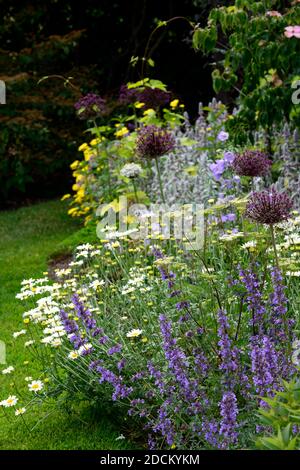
(92, 41)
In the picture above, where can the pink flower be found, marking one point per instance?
(297, 31)
(292, 31)
(273, 13)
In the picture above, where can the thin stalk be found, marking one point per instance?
(274, 245)
(160, 181)
(135, 191)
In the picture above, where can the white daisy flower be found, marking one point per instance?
(10, 401)
(36, 386)
(16, 334)
(73, 355)
(8, 370)
(20, 411)
(134, 333)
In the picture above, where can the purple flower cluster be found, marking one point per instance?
(153, 142)
(83, 313)
(251, 163)
(169, 276)
(254, 298)
(264, 364)
(164, 424)
(151, 97)
(177, 360)
(120, 389)
(90, 106)
(269, 207)
(229, 412)
(70, 325)
(278, 304)
(221, 165)
(114, 349)
(228, 353)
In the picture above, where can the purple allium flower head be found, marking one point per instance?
(154, 142)
(251, 163)
(127, 95)
(229, 412)
(90, 106)
(269, 207)
(151, 97)
(154, 98)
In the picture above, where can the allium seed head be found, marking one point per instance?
(131, 170)
(251, 163)
(153, 142)
(269, 207)
(90, 106)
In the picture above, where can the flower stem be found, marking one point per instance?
(160, 181)
(135, 191)
(274, 245)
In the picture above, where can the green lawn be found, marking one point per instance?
(27, 237)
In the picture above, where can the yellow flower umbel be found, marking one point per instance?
(121, 132)
(174, 104)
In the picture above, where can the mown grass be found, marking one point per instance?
(28, 236)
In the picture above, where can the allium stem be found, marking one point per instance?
(274, 244)
(135, 191)
(160, 181)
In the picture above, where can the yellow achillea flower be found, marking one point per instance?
(139, 105)
(123, 131)
(83, 147)
(174, 104)
(73, 211)
(79, 177)
(88, 154)
(96, 141)
(74, 165)
(148, 112)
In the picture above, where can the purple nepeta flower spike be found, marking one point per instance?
(228, 354)
(229, 412)
(278, 303)
(70, 326)
(114, 349)
(264, 365)
(254, 298)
